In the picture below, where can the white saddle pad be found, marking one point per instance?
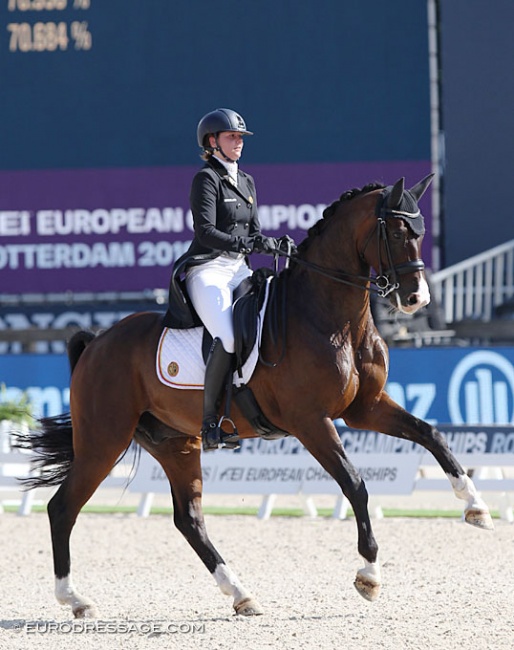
(179, 361)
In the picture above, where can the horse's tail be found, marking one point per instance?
(52, 442)
(52, 447)
(76, 346)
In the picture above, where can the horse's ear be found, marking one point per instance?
(395, 197)
(419, 189)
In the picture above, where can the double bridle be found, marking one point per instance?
(386, 281)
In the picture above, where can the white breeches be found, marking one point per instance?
(211, 287)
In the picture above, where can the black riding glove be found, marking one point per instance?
(286, 244)
(263, 244)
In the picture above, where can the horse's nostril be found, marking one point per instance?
(412, 299)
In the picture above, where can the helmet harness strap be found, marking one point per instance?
(218, 148)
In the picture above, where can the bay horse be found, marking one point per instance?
(333, 364)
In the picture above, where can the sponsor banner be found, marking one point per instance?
(455, 385)
(463, 440)
(458, 386)
(387, 465)
(46, 316)
(244, 472)
(475, 446)
(44, 377)
(122, 229)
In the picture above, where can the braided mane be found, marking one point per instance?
(329, 211)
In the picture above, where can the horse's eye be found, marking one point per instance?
(397, 235)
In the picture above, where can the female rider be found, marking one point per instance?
(226, 230)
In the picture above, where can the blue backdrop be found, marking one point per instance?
(455, 385)
(317, 81)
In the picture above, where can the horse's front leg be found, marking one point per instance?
(324, 444)
(180, 459)
(388, 417)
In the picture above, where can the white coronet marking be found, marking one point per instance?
(465, 489)
(65, 591)
(371, 572)
(66, 594)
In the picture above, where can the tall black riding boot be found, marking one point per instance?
(219, 362)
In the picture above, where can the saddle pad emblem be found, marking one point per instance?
(173, 369)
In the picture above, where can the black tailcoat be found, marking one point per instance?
(223, 213)
(224, 216)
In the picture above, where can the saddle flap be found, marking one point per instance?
(246, 311)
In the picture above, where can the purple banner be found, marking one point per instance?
(122, 229)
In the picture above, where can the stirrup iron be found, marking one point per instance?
(213, 436)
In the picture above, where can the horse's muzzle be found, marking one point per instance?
(415, 300)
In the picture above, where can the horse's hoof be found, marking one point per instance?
(367, 588)
(248, 607)
(85, 611)
(479, 518)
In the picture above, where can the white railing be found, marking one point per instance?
(473, 288)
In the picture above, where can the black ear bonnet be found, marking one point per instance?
(403, 204)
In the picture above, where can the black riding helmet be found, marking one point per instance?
(222, 119)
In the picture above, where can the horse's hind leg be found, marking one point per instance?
(180, 459)
(388, 417)
(89, 468)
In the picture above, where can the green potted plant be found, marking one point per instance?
(15, 414)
